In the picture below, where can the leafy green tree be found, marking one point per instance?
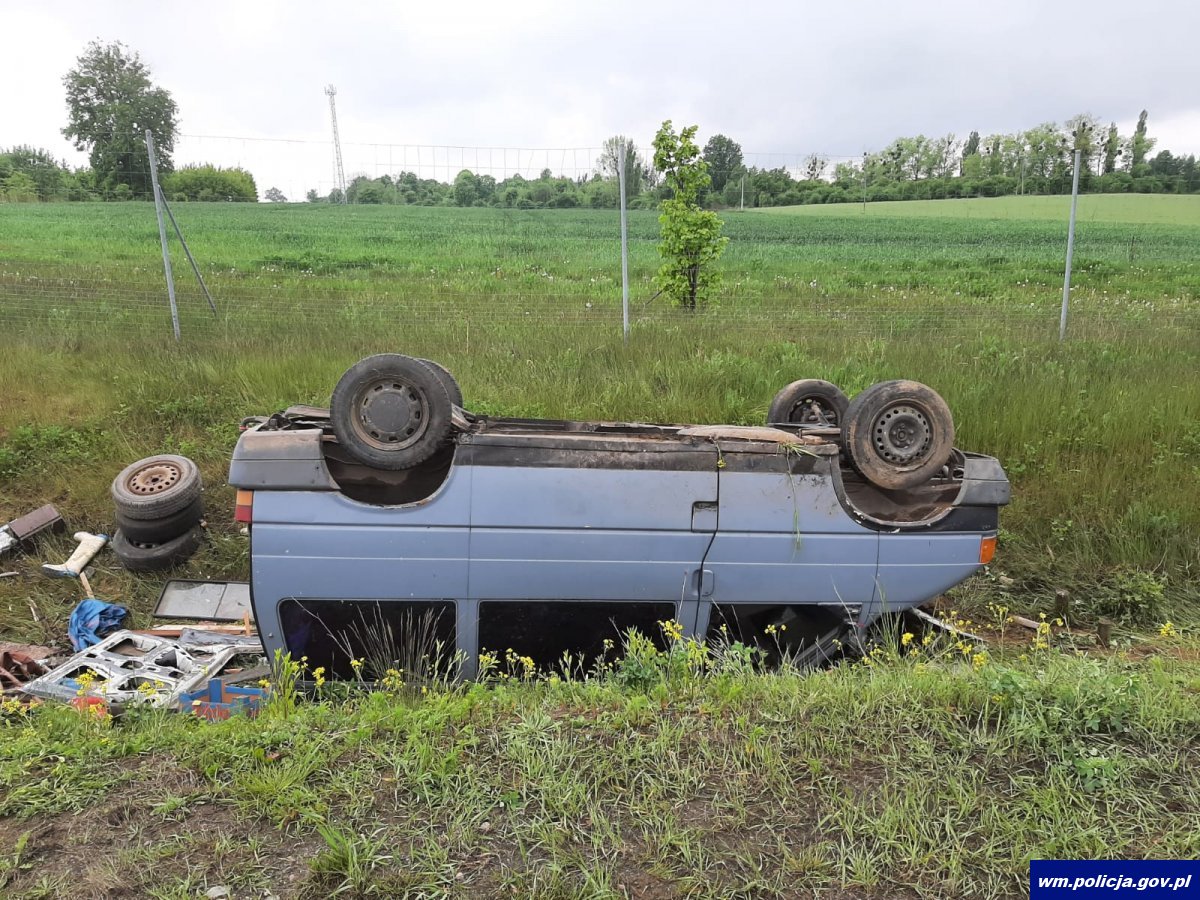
(206, 182)
(51, 179)
(1140, 147)
(691, 236)
(111, 102)
(723, 156)
(312, 196)
(970, 148)
(18, 187)
(1112, 149)
(466, 188)
(275, 195)
(635, 166)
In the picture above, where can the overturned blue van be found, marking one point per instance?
(544, 537)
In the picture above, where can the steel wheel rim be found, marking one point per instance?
(390, 414)
(813, 411)
(901, 434)
(154, 479)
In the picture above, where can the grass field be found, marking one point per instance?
(930, 775)
(1125, 209)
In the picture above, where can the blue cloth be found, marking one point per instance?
(92, 620)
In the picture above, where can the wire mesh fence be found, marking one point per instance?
(96, 269)
(131, 303)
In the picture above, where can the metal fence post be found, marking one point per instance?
(162, 231)
(624, 244)
(1062, 322)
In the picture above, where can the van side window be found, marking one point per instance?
(415, 637)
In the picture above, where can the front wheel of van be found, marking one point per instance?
(391, 411)
(899, 434)
(809, 401)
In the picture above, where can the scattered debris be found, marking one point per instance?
(202, 637)
(219, 601)
(941, 625)
(9, 574)
(219, 700)
(1104, 632)
(89, 545)
(1026, 623)
(92, 620)
(21, 530)
(177, 631)
(127, 667)
(16, 668)
(37, 651)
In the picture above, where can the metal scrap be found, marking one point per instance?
(22, 529)
(219, 601)
(127, 667)
(16, 668)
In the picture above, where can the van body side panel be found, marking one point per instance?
(320, 544)
(915, 567)
(550, 533)
(783, 537)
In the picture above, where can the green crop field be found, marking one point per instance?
(931, 771)
(1126, 209)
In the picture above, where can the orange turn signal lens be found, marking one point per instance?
(987, 550)
(244, 511)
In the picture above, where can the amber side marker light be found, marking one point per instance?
(244, 511)
(987, 548)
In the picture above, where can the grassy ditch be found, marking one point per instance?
(928, 771)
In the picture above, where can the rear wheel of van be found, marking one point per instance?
(898, 433)
(809, 401)
(447, 380)
(391, 411)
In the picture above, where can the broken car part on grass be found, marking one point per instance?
(396, 526)
(131, 668)
(21, 531)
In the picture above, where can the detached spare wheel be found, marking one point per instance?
(809, 401)
(156, 487)
(391, 411)
(143, 556)
(898, 433)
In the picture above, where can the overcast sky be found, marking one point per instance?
(786, 78)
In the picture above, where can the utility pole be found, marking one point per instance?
(331, 93)
(742, 202)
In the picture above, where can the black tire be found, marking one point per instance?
(391, 411)
(448, 382)
(147, 557)
(809, 401)
(155, 487)
(156, 531)
(898, 433)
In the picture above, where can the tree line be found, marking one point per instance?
(112, 102)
